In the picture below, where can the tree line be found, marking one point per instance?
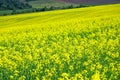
(30, 10)
(13, 5)
(17, 7)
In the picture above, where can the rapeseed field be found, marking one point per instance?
(73, 44)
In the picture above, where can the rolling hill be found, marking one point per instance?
(22, 4)
(8, 7)
(73, 44)
(59, 3)
(48, 3)
(93, 2)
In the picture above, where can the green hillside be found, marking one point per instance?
(10, 7)
(49, 3)
(73, 44)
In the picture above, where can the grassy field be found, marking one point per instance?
(5, 12)
(92, 2)
(49, 3)
(73, 44)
